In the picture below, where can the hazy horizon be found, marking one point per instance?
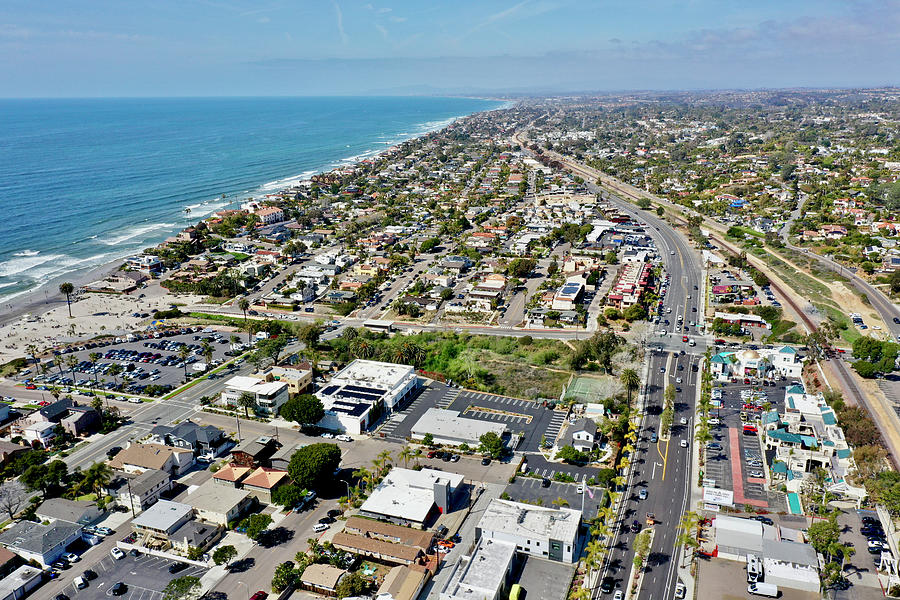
(206, 48)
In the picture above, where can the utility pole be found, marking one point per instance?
(237, 420)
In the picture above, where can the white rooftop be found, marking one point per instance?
(530, 521)
(440, 422)
(481, 575)
(408, 494)
(382, 375)
(163, 515)
(253, 385)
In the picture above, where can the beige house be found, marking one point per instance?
(263, 481)
(138, 458)
(220, 505)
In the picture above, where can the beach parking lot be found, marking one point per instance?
(148, 365)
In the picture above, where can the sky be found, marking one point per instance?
(103, 48)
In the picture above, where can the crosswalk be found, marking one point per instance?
(556, 424)
(550, 472)
(448, 398)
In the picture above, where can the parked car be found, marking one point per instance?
(117, 553)
(119, 589)
(177, 567)
(105, 531)
(70, 558)
(320, 527)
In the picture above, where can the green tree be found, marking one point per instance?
(96, 477)
(314, 464)
(45, 477)
(428, 439)
(305, 409)
(184, 353)
(255, 524)
(244, 305)
(571, 455)
(272, 348)
(66, 289)
(182, 588)
(247, 401)
(352, 584)
(285, 576)
(309, 334)
(224, 554)
(490, 444)
(822, 534)
(289, 495)
(631, 381)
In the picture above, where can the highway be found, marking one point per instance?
(663, 468)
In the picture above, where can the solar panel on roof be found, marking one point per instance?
(364, 390)
(330, 390)
(367, 397)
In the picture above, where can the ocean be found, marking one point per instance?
(84, 182)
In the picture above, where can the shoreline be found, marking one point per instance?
(46, 296)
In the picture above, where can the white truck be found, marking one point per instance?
(770, 590)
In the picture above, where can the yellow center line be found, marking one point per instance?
(665, 460)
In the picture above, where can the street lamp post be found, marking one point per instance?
(246, 587)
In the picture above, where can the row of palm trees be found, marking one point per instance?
(369, 478)
(406, 352)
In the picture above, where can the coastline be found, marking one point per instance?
(46, 296)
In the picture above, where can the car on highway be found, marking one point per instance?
(642, 494)
(683, 421)
(620, 595)
(684, 444)
(654, 438)
(607, 585)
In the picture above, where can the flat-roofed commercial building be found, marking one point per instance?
(409, 497)
(448, 427)
(269, 395)
(364, 386)
(484, 575)
(550, 533)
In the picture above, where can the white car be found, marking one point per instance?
(80, 583)
(320, 527)
(344, 438)
(328, 436)
(684, 443)
(620, 595)
(117, 553)
(678, 380)
(642, 494)
(683, 421)
(680, 591)
(105, 531)
(70, 557)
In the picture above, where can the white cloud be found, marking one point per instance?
(340, 22)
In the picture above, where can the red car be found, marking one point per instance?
(260, 595)
(30, 386)
(684, 338)
(431, 454)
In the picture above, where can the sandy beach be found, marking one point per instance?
(92, 315)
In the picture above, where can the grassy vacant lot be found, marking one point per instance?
(519, 367)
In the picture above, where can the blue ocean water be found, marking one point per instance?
(86, 181)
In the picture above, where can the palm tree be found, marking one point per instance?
(361, 348)
(417, 454)
(560, 502)
(631, 381)
(364, 475)
(184, 353)
(244, 305)
(250, 327)
(32, 350)
(97, 476)
(405, 455)
(385, 457)
(67, 289)
(248, 401)
(94, 357)
(206, 350)
(350, 333)
(72, 362)
(115, 370)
